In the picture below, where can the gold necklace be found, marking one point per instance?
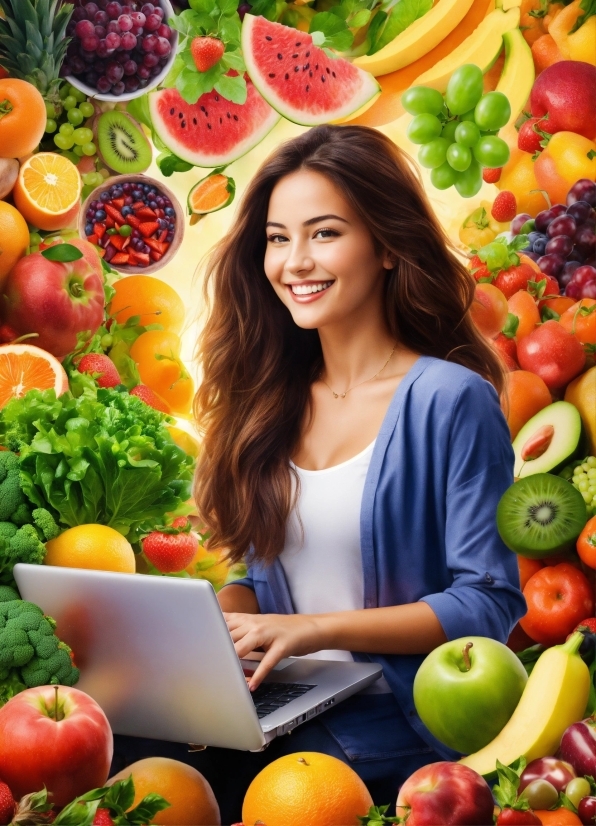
(342, 395)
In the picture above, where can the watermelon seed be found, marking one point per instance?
(305, 67)
(183, 124)
(298, 44)
(228, 115)
(194, 120)
(202, 108)
(268, 38)
(296, 68)
(328, 70)
(208, 126)
(294, 56)
(322, 78)
(307, 88)
(206, 113)
(221, 120)
(316, 67)
(307, 54)
(172, 110)
(310, 74)
(280, 56)
(271, 74)
(287, 76)
(333, 73)
(217, 96)
(235, 117)
(180, 115)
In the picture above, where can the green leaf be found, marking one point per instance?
(228, 7)
(192, 85)
(335, 30)
(265, 8)
(232, 88)
(233, 60)
(511, 325)
(171, 77)
(139, 109)
(402, 15)
(589, 10)
(360, 19)
(548, 314)
(63, 253)
(206, 6)
(146, 809)
(168, 164)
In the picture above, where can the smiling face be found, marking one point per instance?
(320, 257)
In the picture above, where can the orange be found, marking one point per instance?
(98, 547)
(151, 299)
(14, 238)
(489, 310)
(518, 177)
(526, 394)
(525, 308)
(306, 788)
(559, 304)
(557, 817)
(211, 194)
(545, 52)
(527, 568)
(22, 117)
(47, 192)
(157, 354)
(582, 326)
(24, 367)
(190, 795)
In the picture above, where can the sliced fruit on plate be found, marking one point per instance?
(48, 190)
(298, 79)
(24, 367)
(213, 131)
(547, 440)
(214, 192)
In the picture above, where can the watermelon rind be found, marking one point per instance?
(221, 146)
(349, 91)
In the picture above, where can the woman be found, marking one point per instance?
(353, 450)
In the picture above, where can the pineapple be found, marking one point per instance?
(33, 42)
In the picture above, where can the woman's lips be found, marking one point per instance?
(307, 299)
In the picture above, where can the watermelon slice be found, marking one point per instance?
(213, 131)
(298, 79)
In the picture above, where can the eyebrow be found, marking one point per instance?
(309, 222)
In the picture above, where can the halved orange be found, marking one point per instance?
(214, 192)
(24, 367)
(48, 190)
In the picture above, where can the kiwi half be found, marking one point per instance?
(540, 516)
(122, 144)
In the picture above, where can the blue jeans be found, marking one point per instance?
(230, 772)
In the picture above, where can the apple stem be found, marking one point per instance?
(466, 655)
(56, 703)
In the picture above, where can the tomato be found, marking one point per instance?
(564, 161)
(580, 319)
(558, 597)
(557, 817)
(586, 543)
(527, 568)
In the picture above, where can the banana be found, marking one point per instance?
(417, 40)
(518, 74)
(555, 696)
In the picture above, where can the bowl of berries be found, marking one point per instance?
(137, 222)
(119, 50)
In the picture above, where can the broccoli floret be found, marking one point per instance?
(11, 495)
(8, 594)
(30, 653)
(23, 546)
(44, 520)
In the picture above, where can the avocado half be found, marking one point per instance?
(565, 441)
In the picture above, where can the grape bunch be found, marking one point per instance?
(458, 131)
(64, 129)
(582, 476)
(117, 48)
(562, 240)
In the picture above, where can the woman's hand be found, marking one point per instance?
(279, 635)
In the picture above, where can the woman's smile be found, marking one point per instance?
(308, 291)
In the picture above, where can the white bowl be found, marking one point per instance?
(153, 82)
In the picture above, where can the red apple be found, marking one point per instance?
(445, 794)
(552, 353)
(70, 755)
(566, 91)
(56, 300)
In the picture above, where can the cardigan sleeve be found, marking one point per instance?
(484, 598)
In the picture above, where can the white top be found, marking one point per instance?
(325, 572)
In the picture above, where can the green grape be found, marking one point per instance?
(464, 88)
(591, 461)
(467, 133)
(51, 126)
(421, 100)
(125, 230)
(469, 182)
(50, 110)
(71, 157)
(78, 94)
(78, 150)
(87, 109)
(491, 152)
(424, 128)
(105, 173)
(69, 102)
(35, 239)
(64, 91)
(459, 157)
(63, 141)
(88, 178)
(83, 135)
(66, 129)
(86, 191)
(433, 153)
(492, 111)
(449, 130)
(99, 179)
(443, 176)
(89, 148)
(75, 116)
(468, 116)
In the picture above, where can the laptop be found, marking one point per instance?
(156, 654)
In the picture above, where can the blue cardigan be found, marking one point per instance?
(441, 462)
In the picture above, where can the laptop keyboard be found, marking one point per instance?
(268, 697)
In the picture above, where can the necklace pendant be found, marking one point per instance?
(343, 395)
(334, 393)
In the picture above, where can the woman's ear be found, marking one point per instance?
(389, 260)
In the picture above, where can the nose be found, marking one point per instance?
(299, 259)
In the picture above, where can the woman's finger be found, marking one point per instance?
(269, 661)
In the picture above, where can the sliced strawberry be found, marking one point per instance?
(109, 222)
(159, 212)
(118, 202)
(99, 229)
(117, 241)
(142, 258)
(155, 256)
(114, 213)
(133, 221)
(147, 228)
(162, 235)
(158, 246)
(145, 213)
(93, 239)
(120, 258)
(132, 258)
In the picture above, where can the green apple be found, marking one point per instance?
(467, 689)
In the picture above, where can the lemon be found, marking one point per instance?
(91, 546)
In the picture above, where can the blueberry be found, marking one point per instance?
(100, 215)
(118, 192)
(105, 197)
(170, 211)
(171, 226)
(170, 237)
(146, 188)
(146, 249)
(88, 229)
(126, 210)
(539, 245)
(163, 224)
(153, 204)
(137, 194)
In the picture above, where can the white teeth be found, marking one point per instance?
(307, 289)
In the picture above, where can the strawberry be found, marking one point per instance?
(504, 206)
(532, 136)
(491, 176)
(147, 228)
(478, 268)
(206, 51)
(507, 348)
(517, 817)
(589, 624)
(147, 395)
(101, 368)
(103, 818)
(7, 804)
(514, 279)
(119, 258)
(172, 549)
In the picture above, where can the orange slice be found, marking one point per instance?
(24, 367)
(214, 192)
(48, 190)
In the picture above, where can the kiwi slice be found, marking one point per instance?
(540, 516)
(122, 144)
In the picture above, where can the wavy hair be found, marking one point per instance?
(257, 365)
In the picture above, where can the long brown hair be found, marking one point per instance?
(257, 364)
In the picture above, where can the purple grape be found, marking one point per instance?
(102, 49)
(114, 10)
(118, 88)
(114, 72)
(566, 275)
(138, 18)
(584, 275)
(127, 9)
(90, 44)
(84, 28)
(91, 79)
(582, 190)
(551, 264)
(128, 41)
(159, 12)
(130, 67)
(110, 252)
(244, 8)
(147, 8)
(91, 9)
(152, 23)
(164, 31)
(543, 219)
(580, 210)
(113, 27)
(163, 47)
(560, 245)
(585, 240)
(113, 41)
(101, 18)
(573, 290)
(103, 85)
(88, 57)
(100, 31)
(558, 209)
(125, 23)
(79, 14)
(150, 60)
(77, 65)
(149, 43)
(562, 225)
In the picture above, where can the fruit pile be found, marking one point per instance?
(117, 48)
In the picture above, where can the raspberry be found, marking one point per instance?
(491, 176)
(504, 207)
